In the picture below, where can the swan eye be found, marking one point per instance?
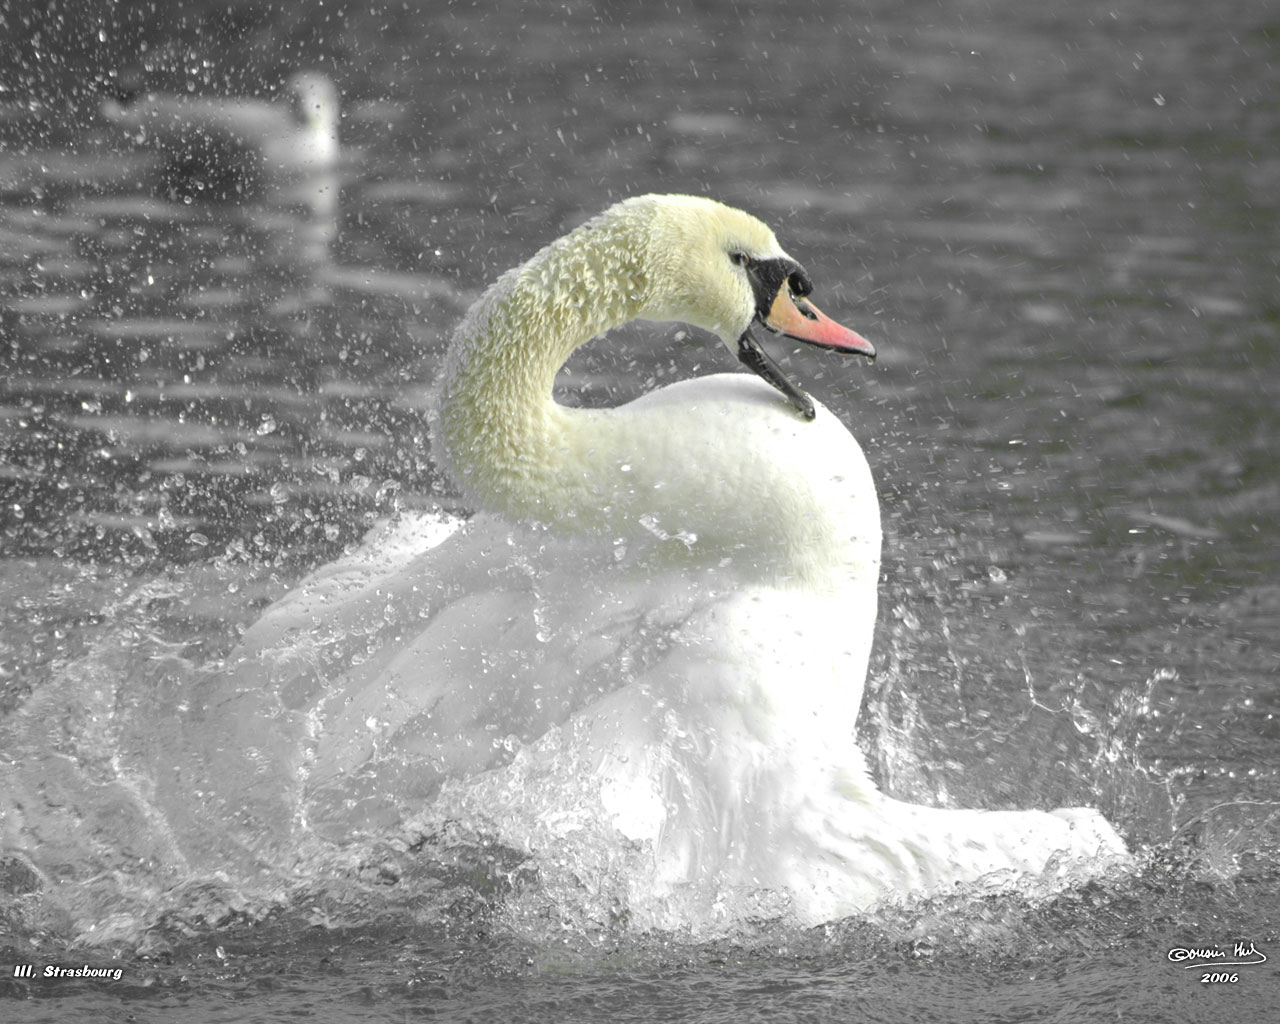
(739, 259)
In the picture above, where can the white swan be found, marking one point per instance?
(660, 621)
(233, 145)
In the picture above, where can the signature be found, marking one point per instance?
(1245, 954)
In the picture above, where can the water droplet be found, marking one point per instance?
(510, 743)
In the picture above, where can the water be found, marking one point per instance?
(1058, 224)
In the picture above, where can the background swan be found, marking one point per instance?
(227, 146)
(658, 624)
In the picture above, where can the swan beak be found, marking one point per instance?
(799, 318)
(795, 317)
(757, 360)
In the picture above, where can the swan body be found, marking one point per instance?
(660, 619)
(231, 145)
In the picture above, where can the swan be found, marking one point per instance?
(229, 146)
(658, 622)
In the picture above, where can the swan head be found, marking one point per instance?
(723, 270)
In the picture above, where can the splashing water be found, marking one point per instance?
(103, 849)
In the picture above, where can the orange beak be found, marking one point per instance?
(800, 319)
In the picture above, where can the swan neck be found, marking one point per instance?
(506, 441)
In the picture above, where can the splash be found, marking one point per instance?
(120, 827)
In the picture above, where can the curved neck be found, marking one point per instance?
(714, 471)
(505, 439)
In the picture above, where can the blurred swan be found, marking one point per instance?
(658, 623)
(227, 147)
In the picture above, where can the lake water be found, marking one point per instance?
(1058, 222)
